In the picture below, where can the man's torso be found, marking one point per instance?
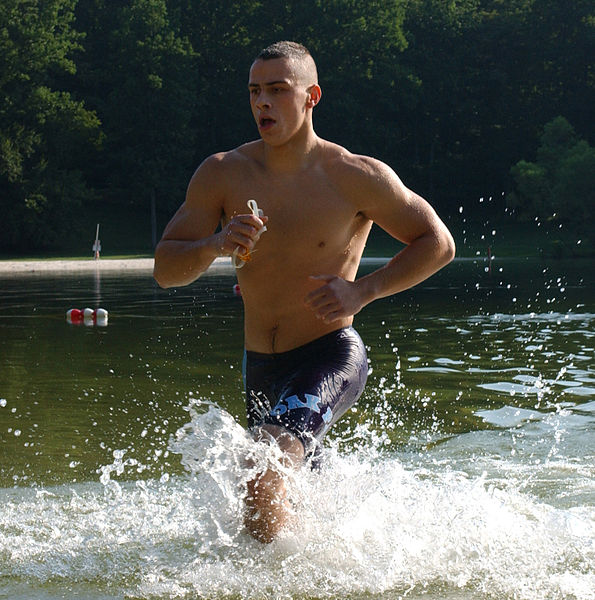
(315, 227)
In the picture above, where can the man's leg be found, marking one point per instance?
(305, 390)
(267, 508)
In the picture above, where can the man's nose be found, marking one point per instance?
(263, 101)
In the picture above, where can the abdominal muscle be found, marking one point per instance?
(282, 332)
(277, 280)
(276, 318)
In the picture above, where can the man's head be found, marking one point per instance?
(284, 89)
(297, 54)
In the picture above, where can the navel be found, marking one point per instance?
(274, 330)
(321, 244)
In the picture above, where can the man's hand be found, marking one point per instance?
(336, 299)
(243, 231)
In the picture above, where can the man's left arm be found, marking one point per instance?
(408, 218)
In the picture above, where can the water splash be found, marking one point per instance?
(371, 523)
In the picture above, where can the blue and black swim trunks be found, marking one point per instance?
(307, 389)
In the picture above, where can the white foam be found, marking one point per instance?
(367, 525)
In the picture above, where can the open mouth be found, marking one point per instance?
(266, 122)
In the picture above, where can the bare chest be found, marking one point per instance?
(305, 215)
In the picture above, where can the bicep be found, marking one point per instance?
(401, 212)
(201, 212)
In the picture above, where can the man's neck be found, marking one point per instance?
(294, 156)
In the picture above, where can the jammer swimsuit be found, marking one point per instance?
(307, 389)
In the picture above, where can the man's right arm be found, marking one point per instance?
(189, 244)
(179, 262)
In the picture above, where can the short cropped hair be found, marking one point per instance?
(283, 49)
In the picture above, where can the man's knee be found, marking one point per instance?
(291, 447)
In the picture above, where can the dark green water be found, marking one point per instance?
(477, 426)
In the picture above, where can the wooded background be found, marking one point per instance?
(485, 107)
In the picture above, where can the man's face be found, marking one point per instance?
(278, 98)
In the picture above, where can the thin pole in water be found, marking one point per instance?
(97, 244)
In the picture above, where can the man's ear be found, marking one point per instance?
(314, 95)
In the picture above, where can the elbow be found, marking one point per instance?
(444, 246)
(449, 247)
(160, 272)
(161, 282)
(159, 278)
(169, 270)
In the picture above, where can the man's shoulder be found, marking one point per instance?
(354, 169)
(219, 170)
(231, 159)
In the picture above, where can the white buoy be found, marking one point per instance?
(101, 317)
(89, 317)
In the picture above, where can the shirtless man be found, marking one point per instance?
(304, 363)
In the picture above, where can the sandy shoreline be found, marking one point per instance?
(127, 265)
(18, 267)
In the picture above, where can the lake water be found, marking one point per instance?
(466, 472)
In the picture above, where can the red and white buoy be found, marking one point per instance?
(88, 316)
(74, 315)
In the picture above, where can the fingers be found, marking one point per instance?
(243, 231)
(326, 301)
(336, 299)
(321, 295)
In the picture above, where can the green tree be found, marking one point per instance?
(556, 63)
(358, 47)
(440, 122)
(355, 44)
(490, 73)
(222, 36)
(44, 131)
(559, 187)
(140, 77)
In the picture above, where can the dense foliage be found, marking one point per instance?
(559, 187)
(111, 105)
(44, 130)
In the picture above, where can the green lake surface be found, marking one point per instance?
(466, 471)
